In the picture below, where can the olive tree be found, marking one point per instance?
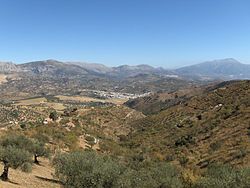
(33, 146)
(161, 174)
(16, 140)
(86, 169)
(225, 176)
(12, 157)
(38, 149)
(53, 115)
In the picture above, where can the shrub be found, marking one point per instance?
(90, 138)
(169, 158)
(199, 117)
(123, 138)
(23, 125)
(184, 141)
(41, 137)
(86, 169)
(26, 167)
(215, 146)
(183, 160)
(154, 175)
(224, 176)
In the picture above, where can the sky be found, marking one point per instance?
(166, 33)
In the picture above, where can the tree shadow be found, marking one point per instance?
(10, 181)
(39, 164)
(49, 180)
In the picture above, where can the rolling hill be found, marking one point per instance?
(212, 127)
(159, 101)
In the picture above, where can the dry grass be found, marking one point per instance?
(117, 101)
(41, 100)
(56, 106)
(78, 98)
(34, 101)
(41, 177)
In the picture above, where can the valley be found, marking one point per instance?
(138, 122)
(124, 94)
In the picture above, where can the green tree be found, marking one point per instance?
(34, 146)
(38, 149)
(17, 141)
(53, 115)
(87, 169)
(224, 176)
(155, 175)
(12, 157)
(41, 137)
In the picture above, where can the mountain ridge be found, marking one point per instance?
(225, 69)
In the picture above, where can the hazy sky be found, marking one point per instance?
(167, 33)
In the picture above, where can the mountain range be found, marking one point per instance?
(225, 69)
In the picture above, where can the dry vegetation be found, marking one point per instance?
(41, 176)
(34, 101)
(210, 128)
(199, 130)
(160, 101)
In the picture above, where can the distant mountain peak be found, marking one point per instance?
(52, 61)
(227, 69)
(224, 61)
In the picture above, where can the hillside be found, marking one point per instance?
(51, 68)
(7, 67)
(93, 67)
(159, 101)
(189, 128)
(209, 128)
